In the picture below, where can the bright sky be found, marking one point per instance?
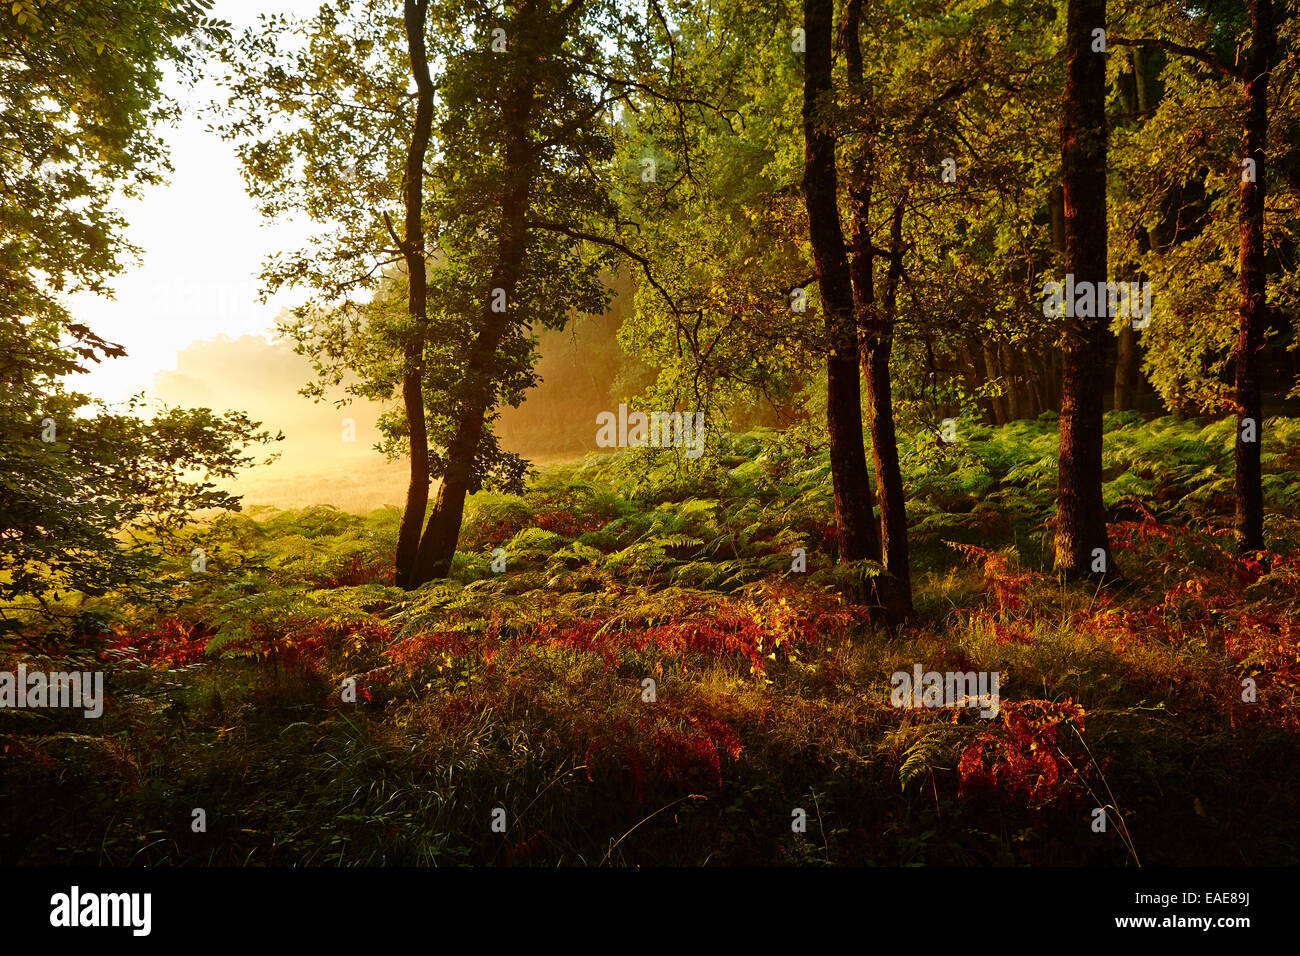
(202, 244)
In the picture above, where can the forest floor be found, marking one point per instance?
(518, 699)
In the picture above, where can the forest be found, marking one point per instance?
(832, 433)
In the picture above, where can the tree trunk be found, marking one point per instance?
(973, 368)
(860, 276)
(1057, 203)
(417, 492)
(1144, 81)
(1248, 483)
(853, 498)
(895, 590)
(1128, 377)
(438, 545)
(1128, 359)
(1038, 386)
(1054, 382)
(884, 442)
(1009, 356)
(860, 259)
(994, 374)
(1082, 545)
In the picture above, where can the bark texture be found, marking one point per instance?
(1082, 545)
(1252, 308)
(413, 251)
(853, 499)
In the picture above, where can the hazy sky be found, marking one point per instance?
(202, 244)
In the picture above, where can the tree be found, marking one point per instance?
(80, 95)
(1248, 488)
(83, 485)
(529, 111)
(932, 262)
(514, 201)
(853, 499)
(1251, 176)
(1082, 544)
(412, 246)
(1139, 93)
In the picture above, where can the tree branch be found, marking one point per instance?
(613, 244)
(1209, 59)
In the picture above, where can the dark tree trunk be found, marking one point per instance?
(413, 251)
(853, 498)
(861, 281)
(1128, 378)
(1057, 202)
(1038, 386)
(973, 368)
(860, 261)
(1128, 359)
(1007, 358)
(1252, 308)
(1082, 544)
(880, 410)
(1000, 413)
(438, 545)
(895, 590)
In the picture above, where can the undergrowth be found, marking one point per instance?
(651, 681)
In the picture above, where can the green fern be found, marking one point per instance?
(921, 758)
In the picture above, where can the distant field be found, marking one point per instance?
(358, 487)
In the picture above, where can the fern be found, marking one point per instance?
(920, 758)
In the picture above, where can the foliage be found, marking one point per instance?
(525, 689)
(648, 658)
(80, 93)
(310, 121)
